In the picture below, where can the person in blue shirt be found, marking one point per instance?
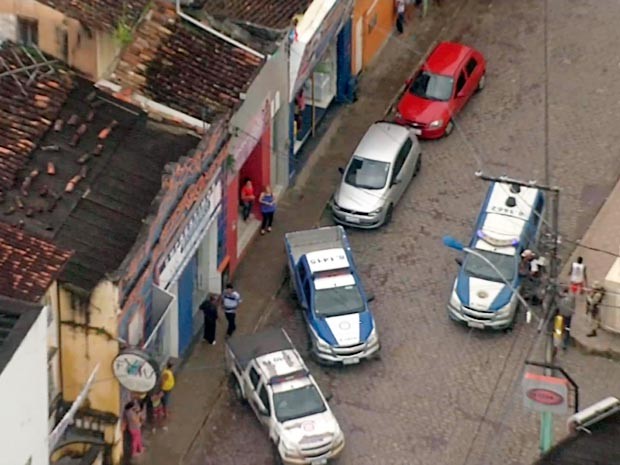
(267, 208)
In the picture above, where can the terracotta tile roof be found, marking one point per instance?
(178, 65)
(27, 110)
(101, 15)
(274, 14)
(28, 265)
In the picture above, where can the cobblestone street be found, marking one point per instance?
(441, 393)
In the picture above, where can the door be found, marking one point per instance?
(399, 177)
(460, 92)
(359, 46)
(473, 71)
(186, 305)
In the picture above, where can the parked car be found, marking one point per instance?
(267, 372)
(381, 168)
(440, 89)
(324, 278)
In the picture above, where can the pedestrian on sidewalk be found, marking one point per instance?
(133, 417)
(247, 198)
(578, 276)
(230, 301)
(566, 308)
(400, 15)
(267, 208)
(209, 309)
(593, 300)
(167, 385)
(159, 411)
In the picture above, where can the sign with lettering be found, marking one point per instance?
(136, 370)
(545, 393)
(323, 260)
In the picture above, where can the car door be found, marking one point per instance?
(473, 69)
(398, 179)
(411, 160)
(255, 382)
(265, 404)
(460, 92)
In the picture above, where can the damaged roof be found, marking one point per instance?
(273, 14)
(28, 264)
(100, 15)
(90, 181)
(177, 64)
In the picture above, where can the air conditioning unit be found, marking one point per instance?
(593, 414)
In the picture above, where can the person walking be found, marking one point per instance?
(209, 309)
(593, 301)
(566, 308)
(230, 301)
(267, 208)
(167, 385)
(134, 420)
(159, 411)
(578, 276)
(247, 198)
(400, 15)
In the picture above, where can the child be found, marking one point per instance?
(159, 412)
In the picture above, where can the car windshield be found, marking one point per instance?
(338, 301)
(432, 86)
(478, 268)
(298, 403)
(367, 174)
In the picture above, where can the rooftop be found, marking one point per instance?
(176, 64)
(280, 364)
(28, 265)
(273, 14)
(100, 15)
(16, 319)
(446, 58)
(88, 183)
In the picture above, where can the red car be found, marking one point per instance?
(450, 76)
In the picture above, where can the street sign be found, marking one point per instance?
(545, 393)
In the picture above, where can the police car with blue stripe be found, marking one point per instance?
(509, 222)
(325, 281)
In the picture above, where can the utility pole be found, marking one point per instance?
(546, 418)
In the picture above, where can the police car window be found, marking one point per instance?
(254, 377)
(307, 288)
(264, 398)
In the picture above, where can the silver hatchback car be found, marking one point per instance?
(384, 162)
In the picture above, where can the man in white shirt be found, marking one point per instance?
(578, 276)
(230, 301)
(400, 15)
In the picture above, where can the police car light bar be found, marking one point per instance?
(495, 241)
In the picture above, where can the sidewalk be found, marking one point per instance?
(603, 233)
(260, 277)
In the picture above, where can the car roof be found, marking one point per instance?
(446, 58)
(382, 142)
(281, 364)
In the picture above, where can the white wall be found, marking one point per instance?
(23, 401)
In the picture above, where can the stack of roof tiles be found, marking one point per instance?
(185, 68)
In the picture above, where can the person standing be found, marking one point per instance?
(230, 301)
(267, 208)
(209, 309)
(159, 411)
(593, 300)
(566, 308)
(400, 15)
(247, 198)
(134, 423)
(578, 276)
(167, 385)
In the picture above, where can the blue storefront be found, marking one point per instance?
(320, 69)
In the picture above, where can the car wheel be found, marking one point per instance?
(237, 389)
(449, 128)
(388, 215)
(481, 82)
(418, 165)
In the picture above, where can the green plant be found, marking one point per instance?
(230, 163)
(123, 33)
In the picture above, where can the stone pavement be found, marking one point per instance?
(201, 378)
(604, 233)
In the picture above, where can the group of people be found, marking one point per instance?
(266, 201)
(229, 302)
(144, 406)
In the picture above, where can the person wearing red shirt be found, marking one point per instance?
(247, 198)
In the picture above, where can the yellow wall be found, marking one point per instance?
(83, 48)
(88, 332)
(378, 19)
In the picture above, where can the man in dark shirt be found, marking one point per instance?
(209, 309)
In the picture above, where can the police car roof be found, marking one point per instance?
(279, 365)
(329, 259)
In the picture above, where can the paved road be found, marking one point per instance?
(441, 393)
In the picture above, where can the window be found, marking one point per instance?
(401, 157)
(432, 86)
(306, 287)
(338, 301)
(367, 174)
(479, 268)
(460, 83)
(62, 39)
(264, 398)
(298, 403)
(254, 377)
(471, 66)
(28, 30)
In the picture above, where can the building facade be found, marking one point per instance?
(373, 25)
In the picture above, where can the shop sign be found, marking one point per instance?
(136, 370)
(190, 236)
(247, 138)
(545, 393)
(315, 47)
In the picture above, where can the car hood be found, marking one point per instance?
(313, 430)
(345, 330)
(414, 108)
(359, 200)
(480, 294)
